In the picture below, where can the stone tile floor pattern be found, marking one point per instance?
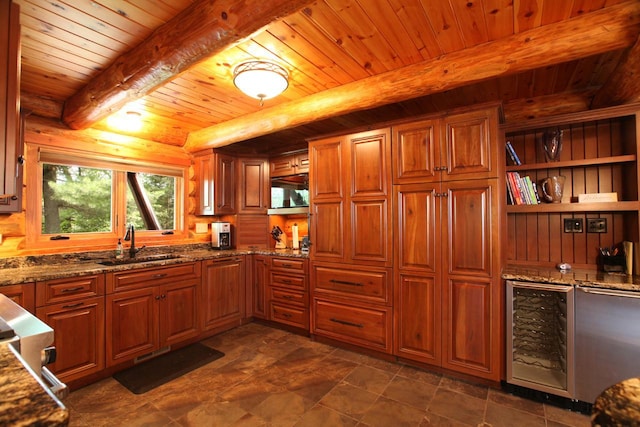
(270, 377)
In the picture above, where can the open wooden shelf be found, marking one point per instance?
(575, 207)
(574, 163)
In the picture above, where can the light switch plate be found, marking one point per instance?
(202, 227)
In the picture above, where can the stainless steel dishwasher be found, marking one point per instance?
(607, 339)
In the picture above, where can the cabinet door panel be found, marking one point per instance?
(225, 185)
(260, 282)
(223, 292)
(79, 337)
(254, 186)
(470, 147)
(23, 295)
(204, 168)
(178, 313)
(370, 231)
(470, 227)
(369, 166)
(327, 180)
(469, 327)
(418, 324)
(418, 232)
(132, 324)
(415, 147)
(327, 231)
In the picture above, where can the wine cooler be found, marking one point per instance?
(540, 335)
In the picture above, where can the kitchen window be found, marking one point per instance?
(90, 199)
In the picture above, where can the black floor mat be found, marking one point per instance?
(162, 369)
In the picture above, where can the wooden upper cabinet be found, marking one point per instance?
(290, 164)
(415, 146)
(253, 191)
(471, 146)
(216, 176)
(350, 181)
(328, 177)
(454, 147)
(369, 157)
(10, 140)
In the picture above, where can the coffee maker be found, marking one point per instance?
(221, 235)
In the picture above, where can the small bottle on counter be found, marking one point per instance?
(119, 251)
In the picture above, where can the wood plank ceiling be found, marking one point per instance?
(326, 45)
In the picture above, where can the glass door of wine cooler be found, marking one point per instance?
(540, 337)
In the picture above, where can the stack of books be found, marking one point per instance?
(521, 190)
(511, 153)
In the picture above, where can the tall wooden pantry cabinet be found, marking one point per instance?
(447, 295)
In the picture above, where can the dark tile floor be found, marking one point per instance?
(269, 377)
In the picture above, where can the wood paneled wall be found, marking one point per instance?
(539, 237)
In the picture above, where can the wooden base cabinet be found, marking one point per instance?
(74, 308)
(353, 304)
(23, 295)
(222, 298)
(150, 309)
(259, 286)
(289, 292)
(448, 300)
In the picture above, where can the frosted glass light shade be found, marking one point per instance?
(260, 79)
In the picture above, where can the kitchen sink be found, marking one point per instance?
(138, 260)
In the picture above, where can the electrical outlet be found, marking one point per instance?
(573, 225)
(596, 225)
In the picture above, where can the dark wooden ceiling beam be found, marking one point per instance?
(623, 86)
(200, 31)
(614, 28)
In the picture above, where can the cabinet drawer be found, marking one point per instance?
(292, 265)
(61, 290)
(288, 297)
(294, 316)
(288, 281)
(367, 327)
(372, 285)
(134, 279)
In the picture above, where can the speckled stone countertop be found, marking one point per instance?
(47, 267)
(575, 277)
(618, 405)
(23, 400)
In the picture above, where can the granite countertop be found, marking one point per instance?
(575, 277)
(23, 399)
(618, 405)
(47, 267)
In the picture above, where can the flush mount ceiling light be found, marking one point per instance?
(261, 79)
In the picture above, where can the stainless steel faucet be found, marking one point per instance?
(131, 235)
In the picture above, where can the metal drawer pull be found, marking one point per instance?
(344, 322)
(77, 288)
(287, 296)
(344, 282)
(159, 276)
(285, 281)
(286, 265)
(73, 305)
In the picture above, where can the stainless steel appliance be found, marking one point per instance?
(607, 339)
(221, 235)
(32, 338)
(540, 337)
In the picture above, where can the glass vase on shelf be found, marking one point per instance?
(552, 144)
